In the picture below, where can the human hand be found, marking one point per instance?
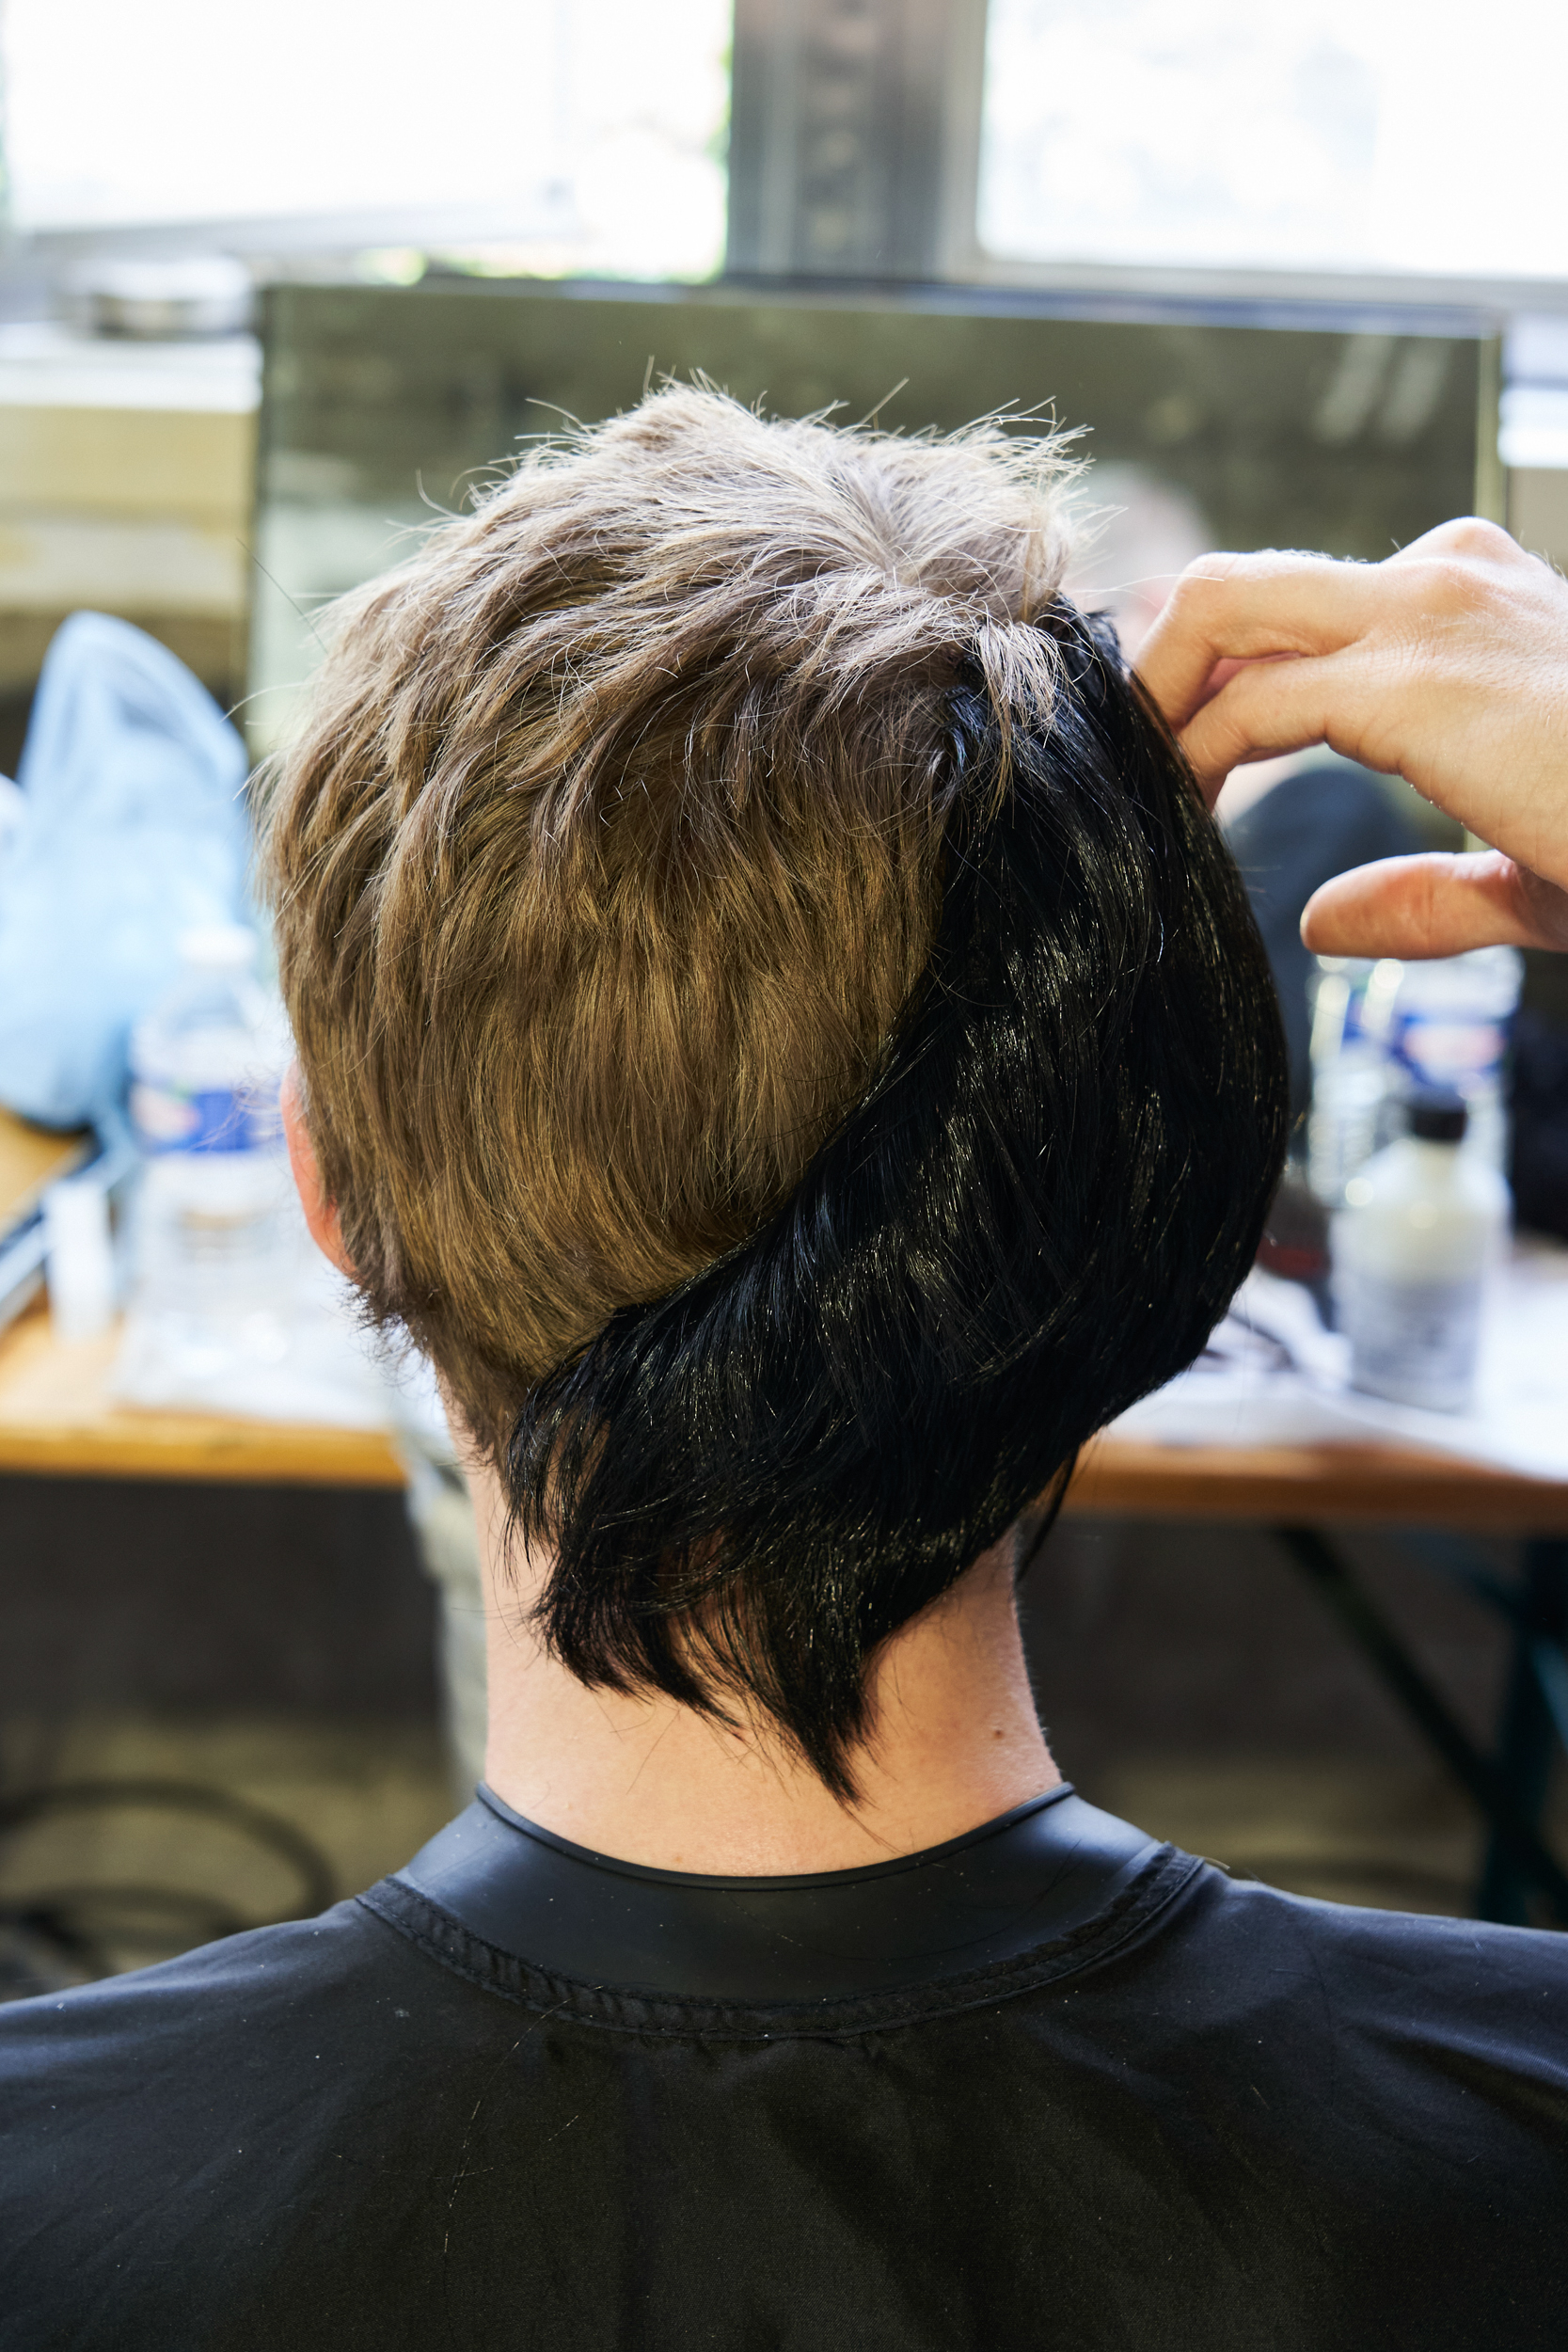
(1447, 664)
(1412, 907)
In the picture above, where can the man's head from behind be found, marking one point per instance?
(777, 1026)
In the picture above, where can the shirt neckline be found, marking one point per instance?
(1048, 1870)
(862, 1874)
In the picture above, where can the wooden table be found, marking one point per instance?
(1347, 1485)
(56, 1420)
(32, 1158)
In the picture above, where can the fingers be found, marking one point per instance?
(1269, 707)
(1245, 608)
(1416, 907)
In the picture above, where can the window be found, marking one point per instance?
(545, 134)
(1334, 136)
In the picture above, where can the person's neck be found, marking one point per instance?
(956, 1742)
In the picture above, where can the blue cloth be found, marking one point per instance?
(133, 831)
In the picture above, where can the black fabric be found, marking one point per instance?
(1206, 2115)
(1044, 1868)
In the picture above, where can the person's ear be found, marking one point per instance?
(321, 1215)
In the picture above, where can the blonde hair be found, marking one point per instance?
(610, 851)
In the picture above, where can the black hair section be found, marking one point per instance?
(1034, 1217)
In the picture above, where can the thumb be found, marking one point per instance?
(1414, 907)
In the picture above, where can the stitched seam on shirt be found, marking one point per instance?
(693, 2017)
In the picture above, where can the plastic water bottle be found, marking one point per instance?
(1421, 1227)
(1351, 1007)
(213, 1254)
(1380, 1028)
(1450, 1027)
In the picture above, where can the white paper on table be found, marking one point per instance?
(1277, 1377)
(311, 1364)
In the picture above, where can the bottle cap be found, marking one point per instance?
(1437, 1115)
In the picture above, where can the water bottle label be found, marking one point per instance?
(209, 1118)
(1415, 1342)
(1446, 1051)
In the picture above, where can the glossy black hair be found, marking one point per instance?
(1035, 1215)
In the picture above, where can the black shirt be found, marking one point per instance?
(1054, 2085)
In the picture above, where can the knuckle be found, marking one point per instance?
(1472, 537)
(1204, 574)
(1457, 583)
